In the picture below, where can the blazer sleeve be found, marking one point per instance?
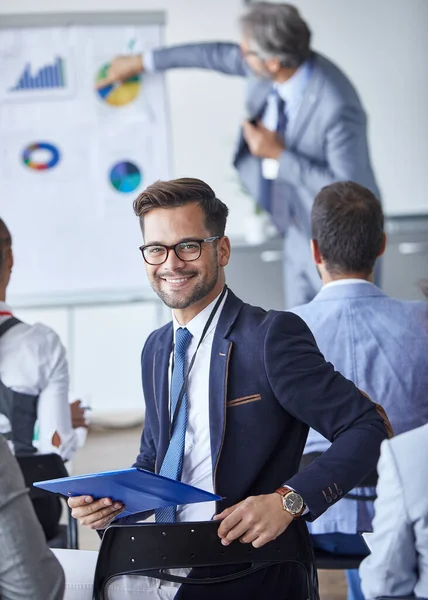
(347, 155)
(217, 56)
(314, 393)
(391, 568)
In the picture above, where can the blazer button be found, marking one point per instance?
(334, 496)
(338, 490)
(328, 499)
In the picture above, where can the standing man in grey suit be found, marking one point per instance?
(397, 565)
(306, 126)
(378, 342)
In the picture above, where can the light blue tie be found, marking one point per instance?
(172, 465)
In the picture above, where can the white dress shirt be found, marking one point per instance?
(197, 465)
(33, 361)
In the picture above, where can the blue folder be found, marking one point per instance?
(137, 489)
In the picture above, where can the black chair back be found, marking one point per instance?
(151, 549)
(39, 467)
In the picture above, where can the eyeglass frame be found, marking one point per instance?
(208, 240)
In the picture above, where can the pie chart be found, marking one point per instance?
(41, 156)
(125, 177)
(118, 94)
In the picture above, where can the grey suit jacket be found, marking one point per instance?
(327, 141)
(398, 563)
(381, 344)
(28, 568)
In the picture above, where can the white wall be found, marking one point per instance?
(381, 44)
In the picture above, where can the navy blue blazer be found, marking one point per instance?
(268, 385)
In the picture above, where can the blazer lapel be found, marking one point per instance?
(219, 367)
(220, 356)
(256, 101)
(309, 101)
(161, 392)
(259, 90)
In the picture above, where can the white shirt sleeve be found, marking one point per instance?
(53, 409)
(149, 62)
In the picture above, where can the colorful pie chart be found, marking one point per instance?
(125, 177)
(41, 156)
(118, 94)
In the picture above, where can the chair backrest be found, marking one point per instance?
(151, 549)
(39, 467)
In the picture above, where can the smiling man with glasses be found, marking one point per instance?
(230, 393)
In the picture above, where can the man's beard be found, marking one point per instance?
(199, 292)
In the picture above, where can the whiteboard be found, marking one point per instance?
(72, 161)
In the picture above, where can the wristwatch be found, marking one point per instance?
(292, 502)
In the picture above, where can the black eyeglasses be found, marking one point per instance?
(187, 250)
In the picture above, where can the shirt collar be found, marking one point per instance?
(351, 280)
(292, 89)
(197, 324)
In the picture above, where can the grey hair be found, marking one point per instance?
(277, 31)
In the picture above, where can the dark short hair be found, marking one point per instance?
(5, 240)
(347, 224)
(279, 31)
(179, 192)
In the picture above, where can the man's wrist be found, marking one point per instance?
(138, 63)
(292, 501)
(276, 152)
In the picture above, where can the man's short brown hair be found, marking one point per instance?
(179, 192)
(347, 223)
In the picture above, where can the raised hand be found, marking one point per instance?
(121, 68)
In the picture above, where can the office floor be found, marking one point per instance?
(116, 449)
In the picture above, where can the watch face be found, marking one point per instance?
(293, 503)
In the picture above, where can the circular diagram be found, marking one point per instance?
(118, 94)
(41, 156)
(125, 177)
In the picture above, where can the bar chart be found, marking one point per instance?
(47, 77)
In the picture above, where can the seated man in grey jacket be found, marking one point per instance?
(28, 569)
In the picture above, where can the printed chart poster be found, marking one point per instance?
(73, 157)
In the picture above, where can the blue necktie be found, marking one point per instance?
(172, 465)
(266, 190)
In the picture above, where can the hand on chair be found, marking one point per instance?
(256, 520)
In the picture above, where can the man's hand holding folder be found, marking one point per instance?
(95, 514)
